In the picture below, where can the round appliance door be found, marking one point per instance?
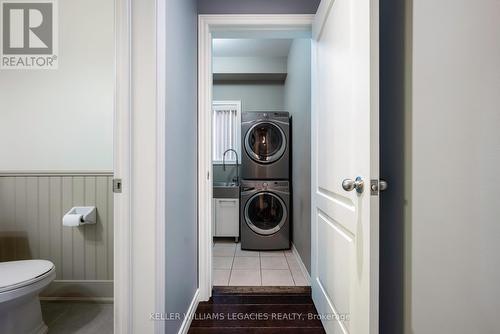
(265, 213)
(265, 142)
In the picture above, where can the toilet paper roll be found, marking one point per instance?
(72, 220)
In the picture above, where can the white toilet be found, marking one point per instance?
(20, 284)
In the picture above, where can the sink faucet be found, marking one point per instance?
(224, 163)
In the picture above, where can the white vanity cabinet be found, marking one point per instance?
(226, 217)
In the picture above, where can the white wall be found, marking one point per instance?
(453, 240)
(298, 104)
(62, 119)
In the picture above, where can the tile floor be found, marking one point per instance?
(233, 266)
(63, 317)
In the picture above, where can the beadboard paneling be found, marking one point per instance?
(31, 211)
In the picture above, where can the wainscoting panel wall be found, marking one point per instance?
(31, 211)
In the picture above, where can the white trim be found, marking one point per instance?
(188, 318)
(122, 167)
(106, 300)
(79, 289)
(207, 24)
(303, 268)
(161, 79)
(321, 15)
(205, 170)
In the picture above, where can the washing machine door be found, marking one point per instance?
(265, 142)
(265, 213)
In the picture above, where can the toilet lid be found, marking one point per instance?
(15, 273)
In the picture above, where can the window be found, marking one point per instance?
(226, 130)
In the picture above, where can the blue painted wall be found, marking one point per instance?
(181, 158)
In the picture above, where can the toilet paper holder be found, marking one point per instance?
(86, 214)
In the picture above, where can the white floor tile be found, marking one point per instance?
(221, 277)
(222, 262)
(299, 278)
(293, 263)
(240, 252)
(289, 253)
(277, 278)
(223, 251)
(224, 245)
(273, 262)
(272, 253)
(245, 278)
(246, 262)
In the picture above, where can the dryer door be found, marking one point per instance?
(265, 142)
(265, 213)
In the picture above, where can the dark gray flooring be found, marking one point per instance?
(78, 317)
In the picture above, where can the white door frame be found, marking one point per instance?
(207, 26)
(122, 168)
(127, 255)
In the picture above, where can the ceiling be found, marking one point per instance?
(251, 47)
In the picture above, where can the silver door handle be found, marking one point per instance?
(377, 186)
(357, 184)
(382, 185)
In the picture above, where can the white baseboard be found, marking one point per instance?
(88, 290)
(301, 264)
(186, 323)
(101, 300)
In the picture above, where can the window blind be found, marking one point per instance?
(226, 131)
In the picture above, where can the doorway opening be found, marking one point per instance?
(254, 92)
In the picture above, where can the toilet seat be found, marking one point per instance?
(18, 274)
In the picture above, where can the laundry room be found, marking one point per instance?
(261, 153)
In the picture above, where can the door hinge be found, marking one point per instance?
(117, 185)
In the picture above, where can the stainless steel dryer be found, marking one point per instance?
(265, 145)
(265, 215)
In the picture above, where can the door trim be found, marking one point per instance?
(161, 187)
(207, 26)
(127, 254)
(122, 159)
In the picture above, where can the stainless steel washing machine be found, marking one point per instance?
(265, 215)
(265, 145)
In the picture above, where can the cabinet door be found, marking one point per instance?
(226, 217)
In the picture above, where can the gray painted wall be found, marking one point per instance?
(453, 232)
(258, 6)
(254, 97)
(298, 103)
(181, 158)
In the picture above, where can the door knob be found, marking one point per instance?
(382, 185)
(377, 186)
(357, 184)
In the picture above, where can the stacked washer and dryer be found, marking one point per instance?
(265, 187)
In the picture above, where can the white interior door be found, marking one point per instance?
(345, 146)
